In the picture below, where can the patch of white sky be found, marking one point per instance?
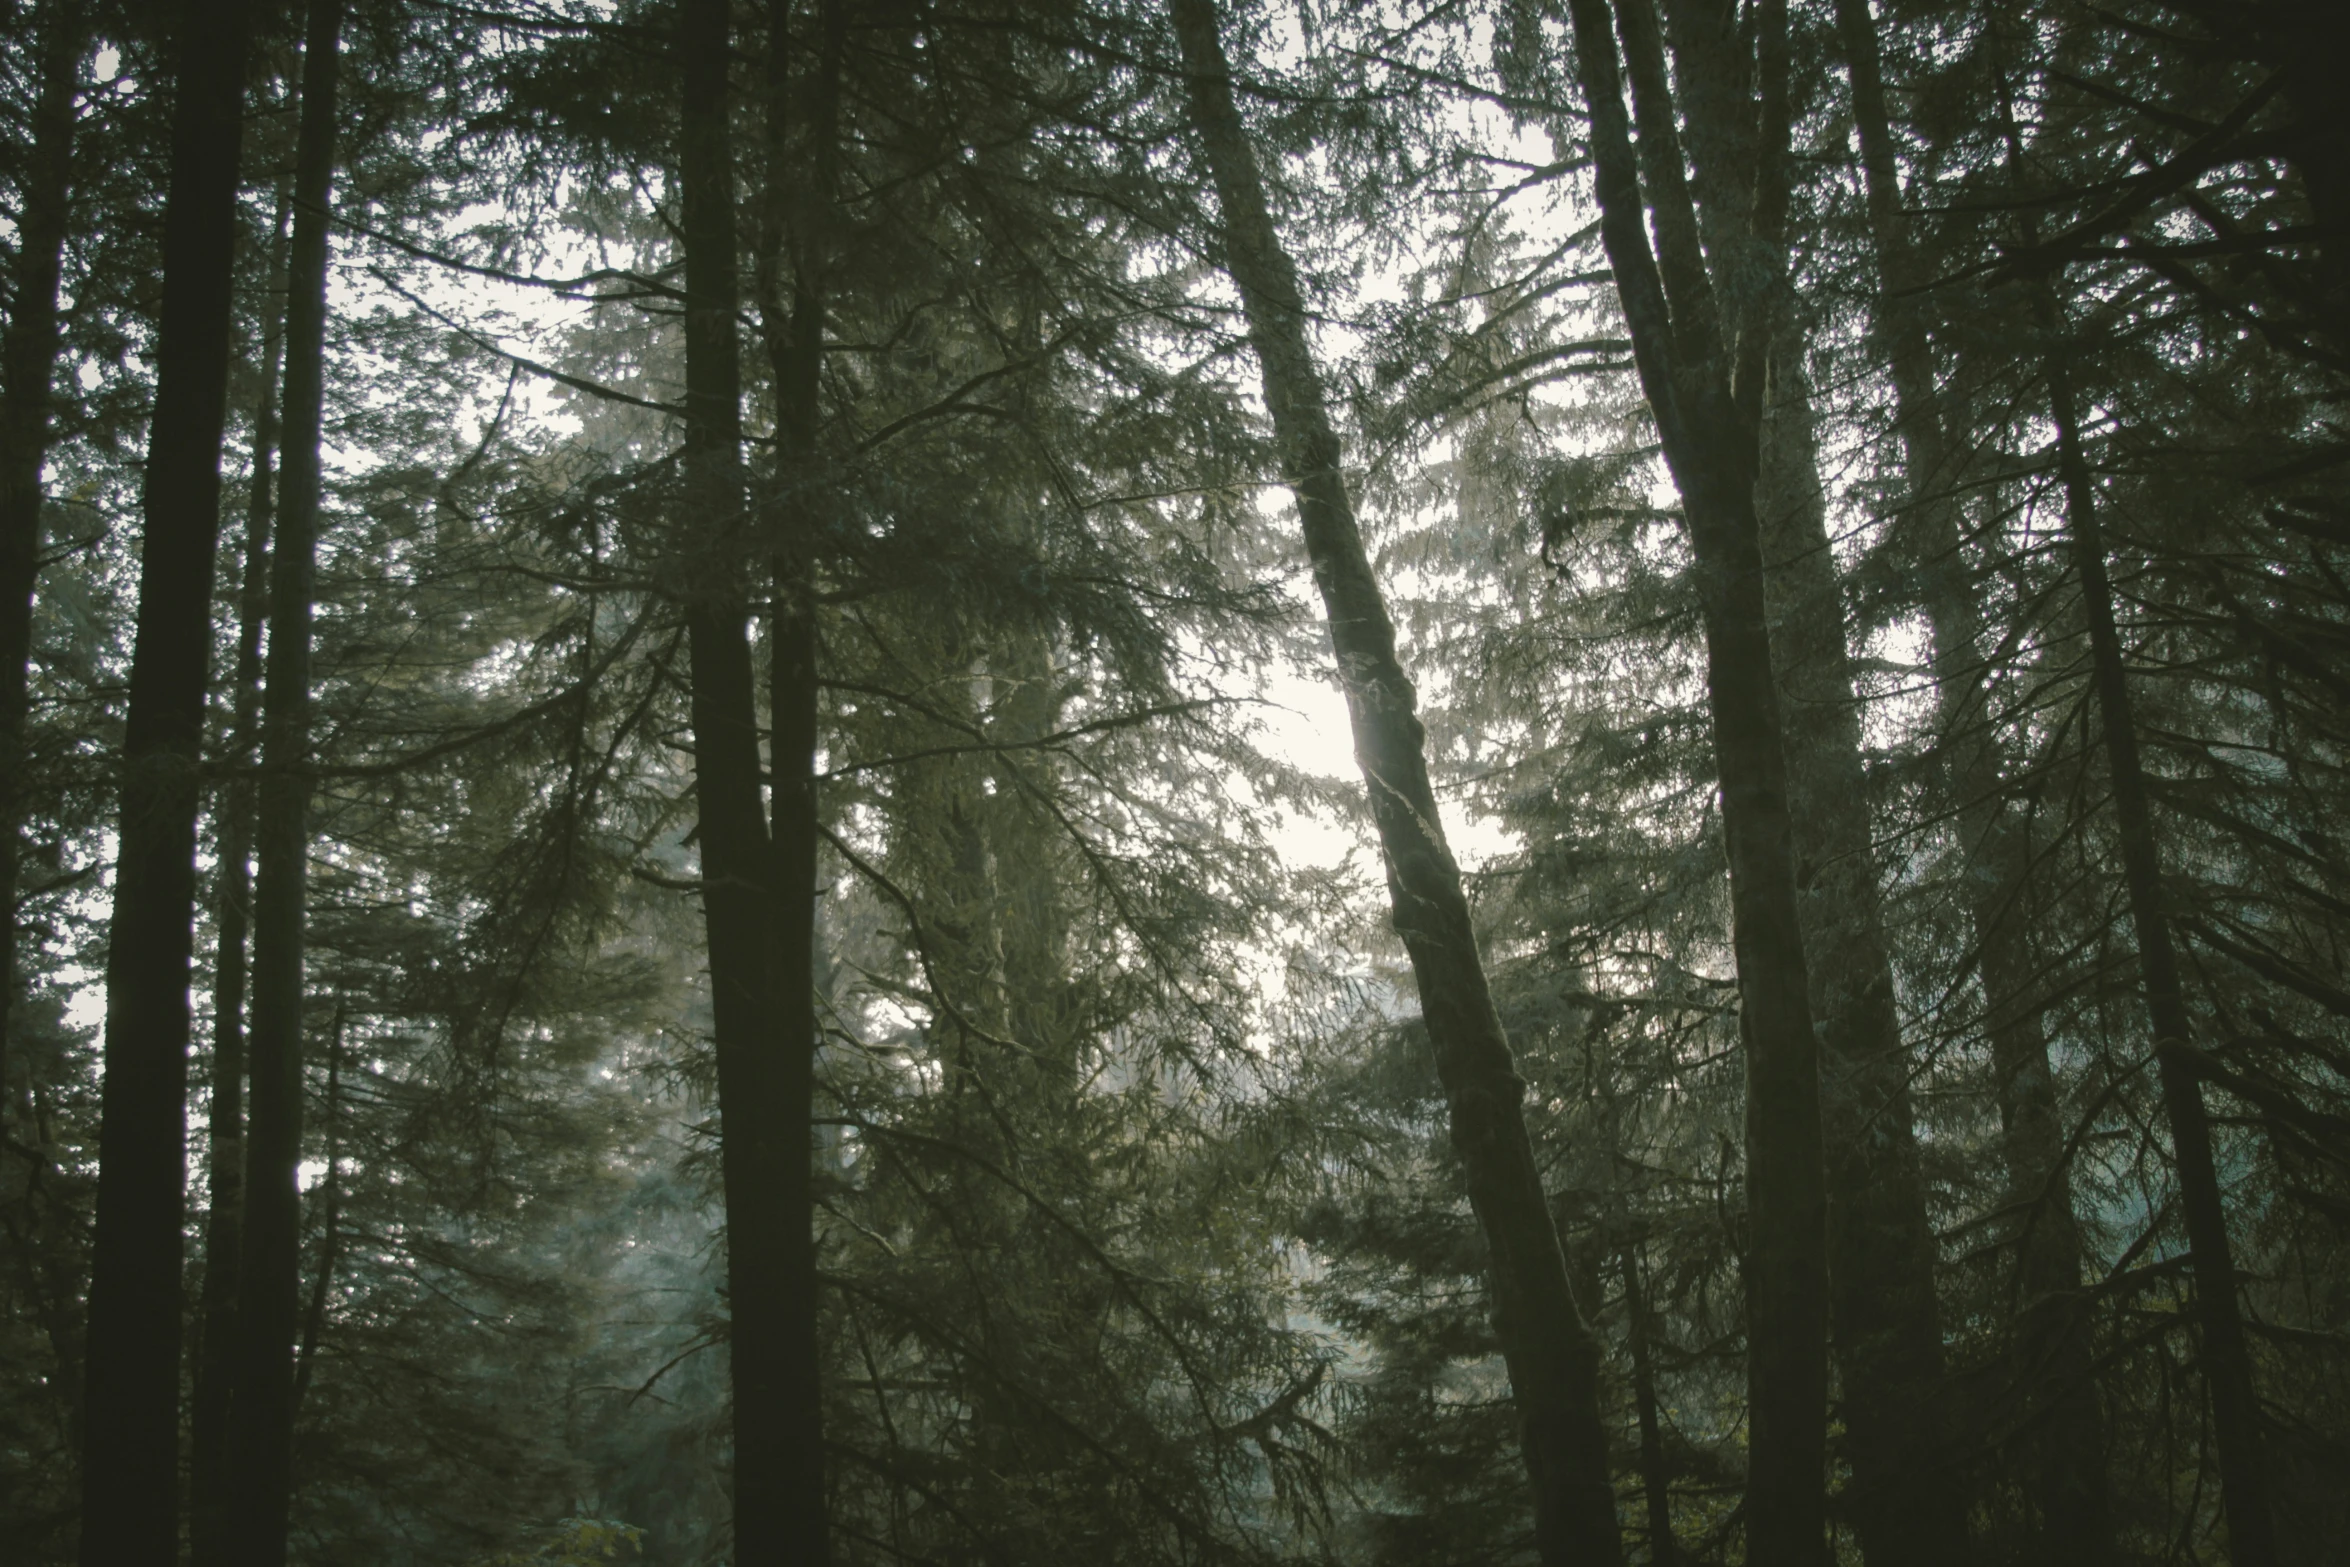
(1306, 724)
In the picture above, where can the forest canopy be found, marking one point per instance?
(1151, 782)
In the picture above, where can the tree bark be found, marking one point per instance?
(2226, 1357)
(2065, 1463)
(28, 369)
(330, 1231)
(1552, 1356)
(1904, 1502)
(28, 364)
(796, 359)
(2304, 39)
(261, 1433)
(130, 1475)
(209, 1513)
(1655, 1478)
(1903, 1495)
(762, 1022)
(1710, 447)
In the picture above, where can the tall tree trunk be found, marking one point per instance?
(28, 364)
(130, 1473)
(796, 357)
(261, 1435)
(209, 1513)
(28, 368)
(2065, 1474)
(1709, 444)
(764, 1030)
(1552, 1356)
(2226, 1357)
(1905, 1503)
(1655, 1478)
(1904, 1496)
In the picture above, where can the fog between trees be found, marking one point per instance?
(665, 906)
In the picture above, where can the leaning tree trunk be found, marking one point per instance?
(1552, 1357)
(261, 1432)
(28, 366)
(2226, 1356)
(1709, 444)
(2065, 1459)
(763, 1038)
(130, 1471)
(209, 1513)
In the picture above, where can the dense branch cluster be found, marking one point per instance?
(665, 902)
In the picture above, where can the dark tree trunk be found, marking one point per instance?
(1709, 445)
(1903, 1497)
(2065, 1460)
(28, 365)
(1552, 1356)
(261, 1431)
(2054, 1377)
(209, 1513)
(28, 368)
(330, 1223)
(1655, 1478)
(2226, 1357)
(2306, 41)
(764, 1031)
(795, 353)
(130, 1474)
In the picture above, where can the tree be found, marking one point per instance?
(130, 1496)
(1553, 1361)
(2068, 1472)
(1113, 1207)
(28, 362)
(763, 1052)
(1707, 423)
(261, 1423)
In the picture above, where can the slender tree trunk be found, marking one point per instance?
(2226, 1357)
(28, 368)
(1710, 447)
(261, 1438)
(130, 1473)
(1552, 1356)
(1655, 1478)
(796, 360)
(216, 1355)
(1032, 921)
(764, 1038)
(28, 364)
(330, 1224)
(2055, 1390)
(2066, 1460)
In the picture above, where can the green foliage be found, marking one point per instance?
(1140, 1237)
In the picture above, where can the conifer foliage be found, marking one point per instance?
(682, 876)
